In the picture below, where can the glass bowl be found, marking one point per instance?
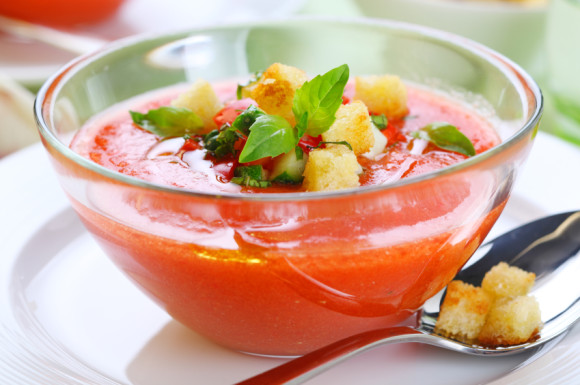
(513, 28)
(283, 274)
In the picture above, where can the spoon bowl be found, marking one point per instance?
(548, 247)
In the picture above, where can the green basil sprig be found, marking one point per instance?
(446, 136)
(320, 98)
(168, 121)
(270, 135)
(314, 105)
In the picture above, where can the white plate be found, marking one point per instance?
(31, 62)
(67, 316)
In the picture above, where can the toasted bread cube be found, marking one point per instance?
(511, 321)
(202, 100)
(384, 94)
(332, 168)
(274, 92)
(463, 311)
(353, 125)
(504, 280)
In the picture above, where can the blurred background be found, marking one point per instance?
(37, 37)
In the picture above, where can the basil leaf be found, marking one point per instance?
(245, 120)
(380, 121)
(447, 137)
(270, 135)
(320, 98)
(168, 121)
(302, 125)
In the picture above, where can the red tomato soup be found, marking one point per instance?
(115, 142)
(245, 275)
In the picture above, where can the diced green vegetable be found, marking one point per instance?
(288, 168)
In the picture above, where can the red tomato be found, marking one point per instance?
(307, 142)
(60, 13)
(230, 112)
(393, 131)
(225, 169)
(190, 145)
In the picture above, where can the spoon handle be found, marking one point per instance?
(67, 41)
(298, 370)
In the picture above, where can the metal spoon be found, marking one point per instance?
(67, 41)
(549, 247)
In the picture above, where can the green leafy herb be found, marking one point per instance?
(245, 120)
(252, 176)
(380, 121)
(257, 76)
(343, 142)
(447, 137)
(221, 142)
(168, 121)
(302, 125)
(270, 135)
(320, 98)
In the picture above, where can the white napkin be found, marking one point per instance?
(17, 124)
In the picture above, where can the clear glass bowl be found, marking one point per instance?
(282, 274)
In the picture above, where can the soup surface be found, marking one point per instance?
(114, 141)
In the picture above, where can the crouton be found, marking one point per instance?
(353, 125)
(332, 168)
(511, 321)
(274, 92)
(382, 94)
(507, 281)
(463, 311)
(202, 100)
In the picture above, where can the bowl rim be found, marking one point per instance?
(480, 7)
(53, 84)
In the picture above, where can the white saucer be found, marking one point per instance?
(67, 316)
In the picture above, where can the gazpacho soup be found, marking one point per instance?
(245, 275)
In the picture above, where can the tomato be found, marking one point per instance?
(307, 142)
(224, 170)
(229, 113)
(60, 13)
(393, 131)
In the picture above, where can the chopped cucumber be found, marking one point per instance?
(289, 167)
